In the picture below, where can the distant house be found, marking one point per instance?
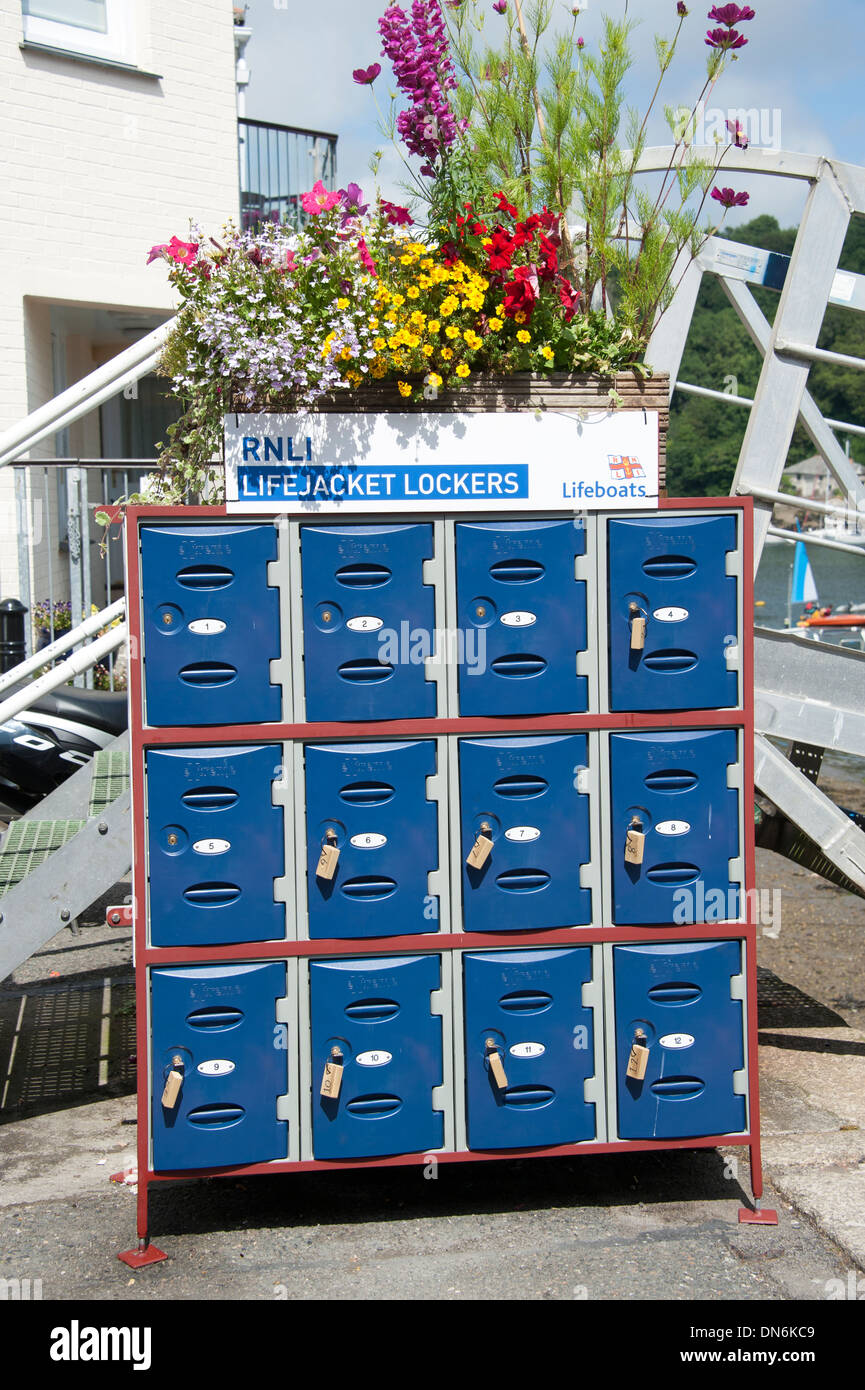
(809, 478)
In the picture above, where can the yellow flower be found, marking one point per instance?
(413, 292)
(412, 340)
(404, 388)
(406, 260)
(447, 354)
(496, 325)
(523, 336)
(520, 317)
(547, 352)
(472, 338)
(427, 349)
(452, 331)
(449, 304)
(397, 300)
(500, 308)
(373, 323)
(433, 326)
(417, 318)
(434, 379)
(345, 355)
(353, 378)
(463, 370)
(378, 368)
(427, 263)
(342, 304)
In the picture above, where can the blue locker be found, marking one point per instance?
(525, 613)
(368, 620)
(673, 789)
(376, 1014)
(673, 571)
(372, 798)
(527, 1006)
(210, 624)
(215, 845)
(220, 1020)
(678, 996)
(525, 790)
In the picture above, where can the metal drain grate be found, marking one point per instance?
(28, 843)
(109, 776)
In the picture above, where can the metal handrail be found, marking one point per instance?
(68, 639)
(72, 666)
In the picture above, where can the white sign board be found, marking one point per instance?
(563, 460)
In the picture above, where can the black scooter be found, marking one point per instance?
(50, 739)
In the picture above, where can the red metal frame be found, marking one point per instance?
(144, 737)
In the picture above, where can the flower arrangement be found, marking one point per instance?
(527, 243)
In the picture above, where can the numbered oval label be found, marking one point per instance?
(365, 624)
(676, 1040)
(518, 618)
(216, 1067)
(211, 846)
(673, 827)
(670, 615)
(527, 1049)
(522, 832)
(207, 627)
(371, 840)
(373, 1059)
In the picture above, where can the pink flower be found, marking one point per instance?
(731, 14)
(395, 214)
(365, 258)
(737, 132)
(725, 39)
(157, 252)
(500, 6)
(364, 77)
(290, 262)
(181, 252)
(319, 200)
(728, 199)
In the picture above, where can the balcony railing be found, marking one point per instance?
(277, 164)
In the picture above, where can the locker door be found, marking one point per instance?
(673, 571)
(525, 613)
(526, 1006)
(368, 620)
(376, 1014)
(369, 800)
(211, 624)
(673, 789)
(215, 845)
(525, 790)
(679, 996)
(220, 1020)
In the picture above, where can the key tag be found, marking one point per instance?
(639, 1057)
(638, 628)
(480, 850)
(635, 841)
(329, 857)
(497, 1066)
(173, 1083)
(332, 1078)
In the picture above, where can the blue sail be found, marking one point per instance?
(804, 590)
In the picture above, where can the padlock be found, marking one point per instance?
(329, 857)
(332, 1078)
(639, 1057)
(173, 1083)
(497, 1066)
(638, 628)
(480, 850)
(635, 842)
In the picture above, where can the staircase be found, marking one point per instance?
(61, 857)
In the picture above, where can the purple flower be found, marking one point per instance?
(352, 201)
(725, 38)
(418, 50)
(728, 199)
(681, 9)
(500, 6)
(731, 14)
(581, 43)
(737, 132)
(365, 76)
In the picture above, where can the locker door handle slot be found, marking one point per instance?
(369, 889)
(678, 1088)
(669, 567)
(671, 780)
(517, 571)
(672, 875)
(518, 667)
(216, 1016)
(212, 894)
(372, 1010)
(205, 577)
(670, 663)
(529, 1097)
(216, 1116)
(207, 674)
(521, 785)
(523, 880)
(374, 1107)
(365, 672)
(526, 1001)
(209, 798)
(675, 994)
(366, 793)
(363, 576)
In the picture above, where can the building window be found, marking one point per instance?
(94, 28)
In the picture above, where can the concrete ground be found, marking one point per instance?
(621, 1227)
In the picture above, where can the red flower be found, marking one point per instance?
(501, 252)
(505, 206)
(396, 215)
(521, 293)
(568, 296)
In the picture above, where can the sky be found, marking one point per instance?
(801, 70)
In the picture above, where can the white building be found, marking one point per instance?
(119, 121)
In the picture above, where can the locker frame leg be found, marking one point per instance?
(144, 1253)
(757, 1215)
